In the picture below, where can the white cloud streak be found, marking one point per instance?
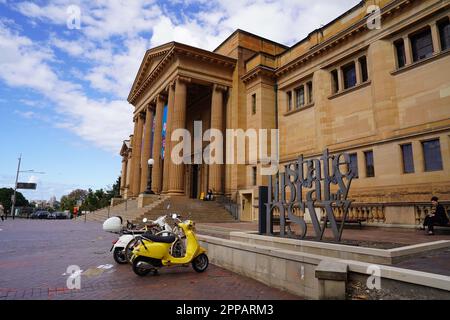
(113, 38)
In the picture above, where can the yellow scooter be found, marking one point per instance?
(153, 251)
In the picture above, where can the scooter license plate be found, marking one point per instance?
(111, 248)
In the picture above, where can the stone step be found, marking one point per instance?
(197, 210)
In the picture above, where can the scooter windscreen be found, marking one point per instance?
(113, 224)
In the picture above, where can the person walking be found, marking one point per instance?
(2, 211)
(437, 216)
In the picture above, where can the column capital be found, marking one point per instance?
(220, 87)
(161, 97)
(183, 79)
(169, 85)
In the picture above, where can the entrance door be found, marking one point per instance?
(247, 207)
(195, 180)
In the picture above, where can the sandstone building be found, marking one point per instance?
(382, 95)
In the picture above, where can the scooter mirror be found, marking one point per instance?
(174, 216)
(144, 220)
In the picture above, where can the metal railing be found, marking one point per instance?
(229, 205)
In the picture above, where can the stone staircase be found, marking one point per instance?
(194, 209)
(127, 210)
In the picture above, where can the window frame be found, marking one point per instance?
(415, 57)
(297, 90)
(366, 153)
(253, 103)
(345, 69)
(397, 53)
(442, 39)
(402, 146)
(356, 164)
(423, 142)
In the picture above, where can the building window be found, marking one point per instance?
(254, 173)
(370, 167)
(432, 155)
(364, 72)
(349, 75)
(408, 159)
(444, 33)
(400, 52)
(354, 164)
(299, 97)
(335, 81)
(289, 99)
(309, 87)
(422, 45)
(254, 103)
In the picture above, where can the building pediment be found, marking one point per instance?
(150, 61)
(126, 147)
(157, 59)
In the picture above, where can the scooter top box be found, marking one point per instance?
(113, 224)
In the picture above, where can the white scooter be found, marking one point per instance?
(124, 243)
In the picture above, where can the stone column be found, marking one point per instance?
(129, 175)
(341, 86)
(156, 171)
(123, 178)
(137, 144)
(170, 105)
(176, 179)
(216, 170)
(435, 37)
(358, 72)
(408, 51)
(146, 152)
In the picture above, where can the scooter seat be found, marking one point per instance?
(163, 239)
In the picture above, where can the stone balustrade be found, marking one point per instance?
(421, 210)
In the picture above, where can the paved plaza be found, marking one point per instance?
(34, 256)
(378, 237)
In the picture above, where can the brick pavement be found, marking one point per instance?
(34, 255)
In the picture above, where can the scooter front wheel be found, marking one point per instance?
(139, 270)
(200, 263)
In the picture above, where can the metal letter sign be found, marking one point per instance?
(26, 185)
(325, 182)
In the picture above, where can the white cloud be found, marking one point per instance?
(113, 38)
(104, 123)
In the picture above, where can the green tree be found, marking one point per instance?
(68, 202)
(5, 199)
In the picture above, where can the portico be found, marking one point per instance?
(175, 86)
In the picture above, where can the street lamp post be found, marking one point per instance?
(149, 178)
(13, 200)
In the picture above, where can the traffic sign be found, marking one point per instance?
(26, 185)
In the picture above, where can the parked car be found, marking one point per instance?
(34, 215)
(62, 215)
(51, 215)
(43, 215)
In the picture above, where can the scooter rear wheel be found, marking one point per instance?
(200, 263)
(139, 271)
(119, 256)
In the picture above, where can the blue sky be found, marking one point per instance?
(63, 90)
